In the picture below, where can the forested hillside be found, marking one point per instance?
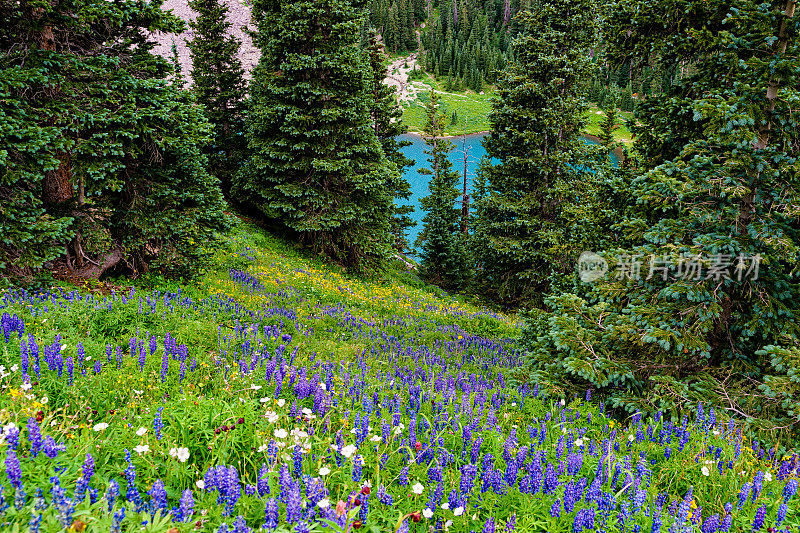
(210, 318)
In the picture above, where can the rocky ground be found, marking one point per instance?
(239, 17)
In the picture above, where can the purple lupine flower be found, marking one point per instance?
(781, 516)
(584, 519)
(271, 515)
(758, 484)
(116, 524)
(81, 357)
(13, 470)
(19, 498)
(555, 509)
(39, 503)
(158, 424)
(488, 527)
(158, 497)
(758, 520)
(35, 523)
(12, 436)
(550, 479)
(294, 511)
(71, 370)
(789, 490)
(132, 493)
(403, 479)
(511, 523)
(164, 366)
(111, 494)
(384, 497)
(743, 494)
(88, 467)
(711, 524)
(240, 525)
(186, 507)
(263, 481)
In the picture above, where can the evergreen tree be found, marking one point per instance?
(442, 254)
(316, 165)
(537, 120)
(100, 167)
(712, 314)
(386, 116)
(609, 124)
(219, 86)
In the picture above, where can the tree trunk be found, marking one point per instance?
(93, 270)
(774, 82)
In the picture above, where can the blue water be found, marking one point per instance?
(419, 183)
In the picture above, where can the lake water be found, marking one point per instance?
(419, 183)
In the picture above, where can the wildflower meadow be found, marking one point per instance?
(278, 394)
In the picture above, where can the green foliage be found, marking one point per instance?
(317, 166)
(443, 256)
(469, 41)
(386, 116)
(219, 86)
(100, 165)
(608, 125)
(717, 191)
(537, 120)
(397, 21)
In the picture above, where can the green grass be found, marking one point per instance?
(621, 134)
(472, 110)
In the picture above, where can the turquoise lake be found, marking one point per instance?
(419, 183)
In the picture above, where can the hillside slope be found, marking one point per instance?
(276, 386)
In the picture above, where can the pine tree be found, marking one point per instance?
(609, 124)
(219, 86)
(537, 121)
(386, 117)
(442, 254)
(108, 174)
(316, 165)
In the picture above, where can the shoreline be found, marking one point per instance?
(617, 150)
(418, 134)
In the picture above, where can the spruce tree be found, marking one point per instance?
(108, 173)
(537, 119)
(386, 115)
(442, 253)
(219, 86)
(316, 165)
(609, 124)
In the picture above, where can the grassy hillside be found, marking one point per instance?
(472, 111)
(277, 391)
